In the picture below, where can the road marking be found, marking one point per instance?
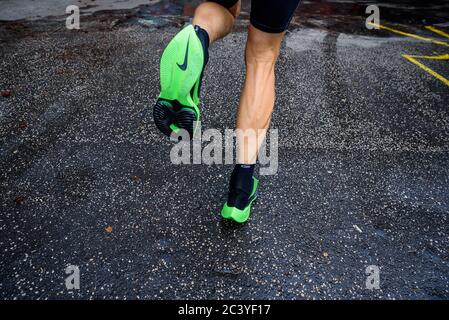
(411, 35)
(438, 31)
(440, 57)
(413, 60)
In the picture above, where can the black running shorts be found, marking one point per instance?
(268, 15)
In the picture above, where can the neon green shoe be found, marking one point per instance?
(181, 69)
(240, 215)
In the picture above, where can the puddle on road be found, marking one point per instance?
(397, 11)
(326, 12)
(34, 10)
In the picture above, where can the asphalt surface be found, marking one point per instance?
(86, 179)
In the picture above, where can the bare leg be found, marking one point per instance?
(257, 99)
(215, 19)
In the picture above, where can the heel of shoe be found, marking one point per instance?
(163, 115)
(169, 116)
(186, 119)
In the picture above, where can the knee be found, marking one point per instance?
(261, 53)
(262, 47)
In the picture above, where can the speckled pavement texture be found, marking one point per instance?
(86, 179)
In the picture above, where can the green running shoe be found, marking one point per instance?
(181, 69)
(240, 215)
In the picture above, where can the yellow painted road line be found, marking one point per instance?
(427, 69)
(438, 31)
(440, 57)
(411, 35)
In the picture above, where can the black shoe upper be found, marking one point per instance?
(241, 186)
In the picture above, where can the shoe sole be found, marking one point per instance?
(176, 107)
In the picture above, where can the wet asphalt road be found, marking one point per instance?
(85, 178)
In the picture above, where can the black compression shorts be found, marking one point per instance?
(268, 15)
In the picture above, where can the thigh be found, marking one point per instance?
(272, 16)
